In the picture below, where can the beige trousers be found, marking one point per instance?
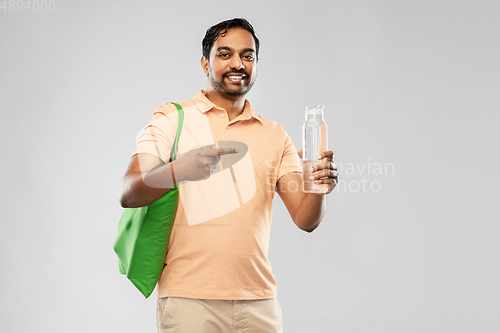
(186, 315)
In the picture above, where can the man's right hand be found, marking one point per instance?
(199, 163)
(148, 177)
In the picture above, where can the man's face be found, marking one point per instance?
(233, 65)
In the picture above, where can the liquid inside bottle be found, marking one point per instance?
(314, 142)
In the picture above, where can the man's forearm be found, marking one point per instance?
(141, 190)
(311, 211)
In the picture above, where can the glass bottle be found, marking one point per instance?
(314, 142)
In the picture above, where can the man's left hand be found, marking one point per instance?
(326, 171)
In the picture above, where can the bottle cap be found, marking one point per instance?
(316, 109)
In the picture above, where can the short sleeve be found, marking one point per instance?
(290, 161)
(158, 137)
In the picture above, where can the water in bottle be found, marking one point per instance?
(314, 142)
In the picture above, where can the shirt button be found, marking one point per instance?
(222, 115)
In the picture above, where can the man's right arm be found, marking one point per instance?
(147, 177)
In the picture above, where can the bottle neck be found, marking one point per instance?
(315, 116)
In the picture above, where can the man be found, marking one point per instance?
(217, 277)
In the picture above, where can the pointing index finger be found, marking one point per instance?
(224, 151)
(220, 151)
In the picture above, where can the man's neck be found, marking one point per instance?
(233, 105)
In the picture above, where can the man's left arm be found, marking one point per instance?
(307, 209)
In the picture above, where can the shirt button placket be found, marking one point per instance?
(223, 115)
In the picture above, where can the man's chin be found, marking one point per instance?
(236, 91)
(232, 90)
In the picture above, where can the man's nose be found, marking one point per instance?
(236, 63)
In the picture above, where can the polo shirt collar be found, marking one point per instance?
(204, 105)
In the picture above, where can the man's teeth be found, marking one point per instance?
(235, 77)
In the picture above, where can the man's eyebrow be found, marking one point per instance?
(227, 48)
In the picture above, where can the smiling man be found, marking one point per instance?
(238, 79)
(231, 66)
(217, 276)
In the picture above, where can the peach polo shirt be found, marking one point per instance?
(219, 244)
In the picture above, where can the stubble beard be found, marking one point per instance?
(223, 88)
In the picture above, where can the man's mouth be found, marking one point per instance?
(235, 78)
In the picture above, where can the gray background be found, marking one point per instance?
(410, 84)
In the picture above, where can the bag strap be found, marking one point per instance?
(180, 122)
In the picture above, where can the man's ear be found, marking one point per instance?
(204, 64)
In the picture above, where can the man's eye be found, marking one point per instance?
(223, 55)
(249, 57)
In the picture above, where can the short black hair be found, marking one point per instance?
(220, 29)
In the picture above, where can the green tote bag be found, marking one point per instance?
(143, 233)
